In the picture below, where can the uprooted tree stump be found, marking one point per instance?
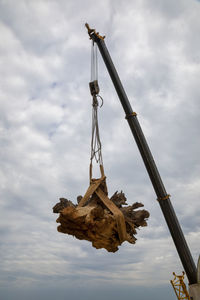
(96, 223)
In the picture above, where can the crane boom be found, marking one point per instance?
(162, 196)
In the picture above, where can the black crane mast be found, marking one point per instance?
(162, 196)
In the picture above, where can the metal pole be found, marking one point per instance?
(163, 197)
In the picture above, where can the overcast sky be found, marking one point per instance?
(45, 126)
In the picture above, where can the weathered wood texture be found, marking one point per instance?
(95, 222)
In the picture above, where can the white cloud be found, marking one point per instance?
(45, 134)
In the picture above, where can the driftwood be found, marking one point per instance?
(95, 222)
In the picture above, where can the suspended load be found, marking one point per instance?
(106, 222)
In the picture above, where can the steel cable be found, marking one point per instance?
(95, 141)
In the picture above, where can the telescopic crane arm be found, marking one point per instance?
(162, 196)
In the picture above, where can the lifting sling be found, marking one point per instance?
(98, 186)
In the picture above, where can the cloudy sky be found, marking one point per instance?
(45, 128)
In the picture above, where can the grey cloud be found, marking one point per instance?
(99, 293)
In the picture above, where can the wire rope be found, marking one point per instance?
(96, 147)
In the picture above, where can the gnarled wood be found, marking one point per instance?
(96, 223)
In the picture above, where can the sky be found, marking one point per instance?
(45, 132)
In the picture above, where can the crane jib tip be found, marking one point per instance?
(92, 32)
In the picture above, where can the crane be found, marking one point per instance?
(162, 196)
(180, 287)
